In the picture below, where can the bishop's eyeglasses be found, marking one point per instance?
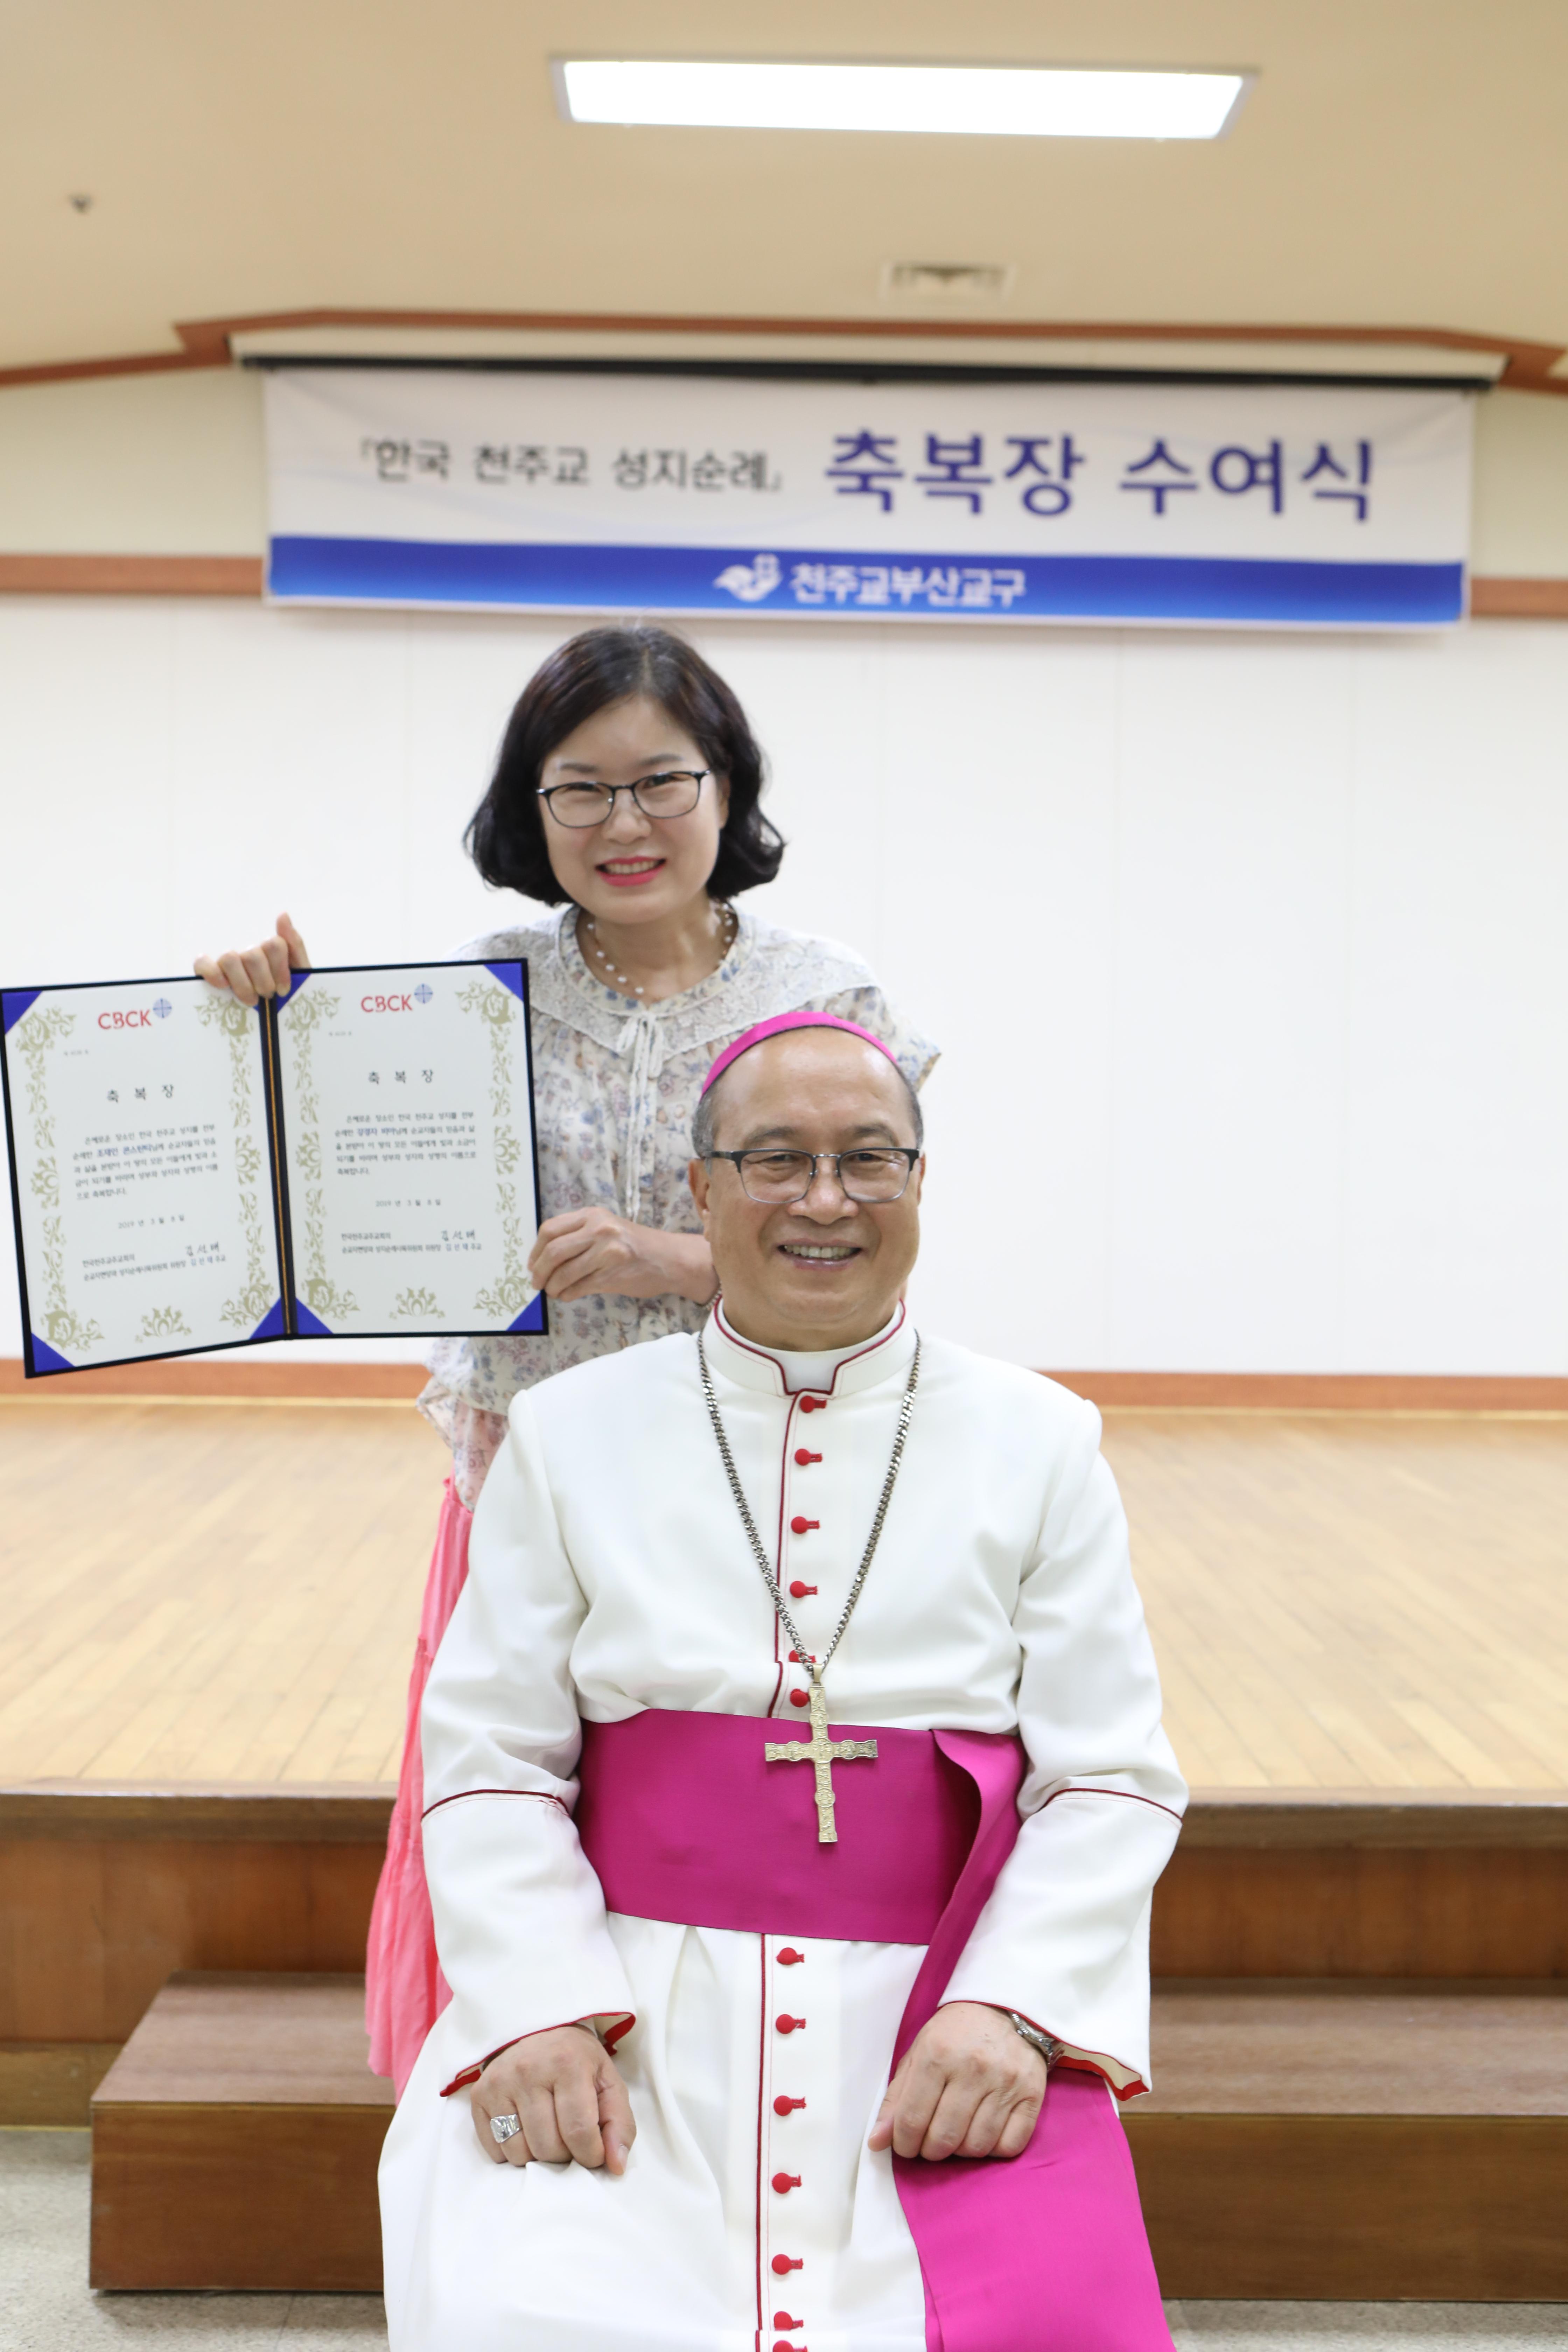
(674, 794)
(871, 1172)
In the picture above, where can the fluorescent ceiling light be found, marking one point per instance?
(1000, 101)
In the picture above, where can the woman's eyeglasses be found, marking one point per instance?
(676, 793)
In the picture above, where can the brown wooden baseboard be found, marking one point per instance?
(195, 1378)
(50, 2085)
(1436, 1392)
(281, 1381)
(130, 576)
(1498, 599)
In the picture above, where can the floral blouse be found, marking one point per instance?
(615, 1082)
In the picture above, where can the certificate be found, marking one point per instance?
(356, 1160)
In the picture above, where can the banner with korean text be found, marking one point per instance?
(869, 498)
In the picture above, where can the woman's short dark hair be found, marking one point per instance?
(506, 834)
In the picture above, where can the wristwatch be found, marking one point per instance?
(1049, 2048)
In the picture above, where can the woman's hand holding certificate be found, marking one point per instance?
(585, 1251)
(265, 969)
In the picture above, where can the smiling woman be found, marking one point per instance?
(627, 797)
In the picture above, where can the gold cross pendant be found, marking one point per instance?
(824, 1752)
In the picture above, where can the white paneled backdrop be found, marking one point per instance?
(1249, 954)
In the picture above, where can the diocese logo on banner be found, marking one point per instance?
(1283, 505)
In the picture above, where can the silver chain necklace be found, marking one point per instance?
(815, 1666)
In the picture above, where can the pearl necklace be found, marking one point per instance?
(634, 988)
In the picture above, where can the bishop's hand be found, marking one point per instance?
(567, 2095)
(968, 2084)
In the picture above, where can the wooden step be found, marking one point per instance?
(235, 2140)
(1358, 2141)
(108, 1888)
(1307, 2139)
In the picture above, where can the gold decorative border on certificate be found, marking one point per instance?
(507, 1296)
(418, 1303)
(163, 1323)
(300, 1017)
(40, 1029)
(246, 1310)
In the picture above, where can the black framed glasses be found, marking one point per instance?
(870, 1172)
(674, 794)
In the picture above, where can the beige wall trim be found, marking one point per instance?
(244, 575)
(206, 343)
(198, 1376)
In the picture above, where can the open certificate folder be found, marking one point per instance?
(355, 1161)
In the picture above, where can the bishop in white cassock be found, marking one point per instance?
(725, 2067)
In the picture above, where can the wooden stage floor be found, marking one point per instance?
(228, 1592)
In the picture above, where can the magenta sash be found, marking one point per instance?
(684, 1820)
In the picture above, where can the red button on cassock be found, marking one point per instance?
(800, 1698)
(799, 1526)
(783, 2319)
(789, 1958)
(792, 2347)
(782, 2106)
(785, 2181)
(803, 1459)
(782, 2262)
(813, 1404)
(798, 1591)
(790, 2025)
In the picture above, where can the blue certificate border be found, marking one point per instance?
(293, 1320)
(38, 1359)
(512, 974)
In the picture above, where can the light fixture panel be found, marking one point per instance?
(986, 102)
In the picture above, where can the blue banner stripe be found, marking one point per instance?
(851, 585)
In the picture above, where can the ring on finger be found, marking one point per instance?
(504, 2128)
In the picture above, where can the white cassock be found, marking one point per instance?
(610, 1573)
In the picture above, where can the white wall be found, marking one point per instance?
(1248, 953)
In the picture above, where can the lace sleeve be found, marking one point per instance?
(914, 1052)
(474, 1435)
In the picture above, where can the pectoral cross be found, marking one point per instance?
(824, 1752)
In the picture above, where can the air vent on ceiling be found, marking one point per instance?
(947, 281)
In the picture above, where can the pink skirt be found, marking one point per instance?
(405, 1992)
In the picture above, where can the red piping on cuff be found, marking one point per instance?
(539, 1796)
(1135, 2089)
(611, 2035)
(1127, 1796)
(1119, 2092)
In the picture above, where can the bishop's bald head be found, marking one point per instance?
(810, 1253)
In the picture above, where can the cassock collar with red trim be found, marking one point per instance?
(836, 1371)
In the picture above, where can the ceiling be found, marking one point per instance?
(1400, 164)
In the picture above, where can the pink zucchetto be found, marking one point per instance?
(776, 1027)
